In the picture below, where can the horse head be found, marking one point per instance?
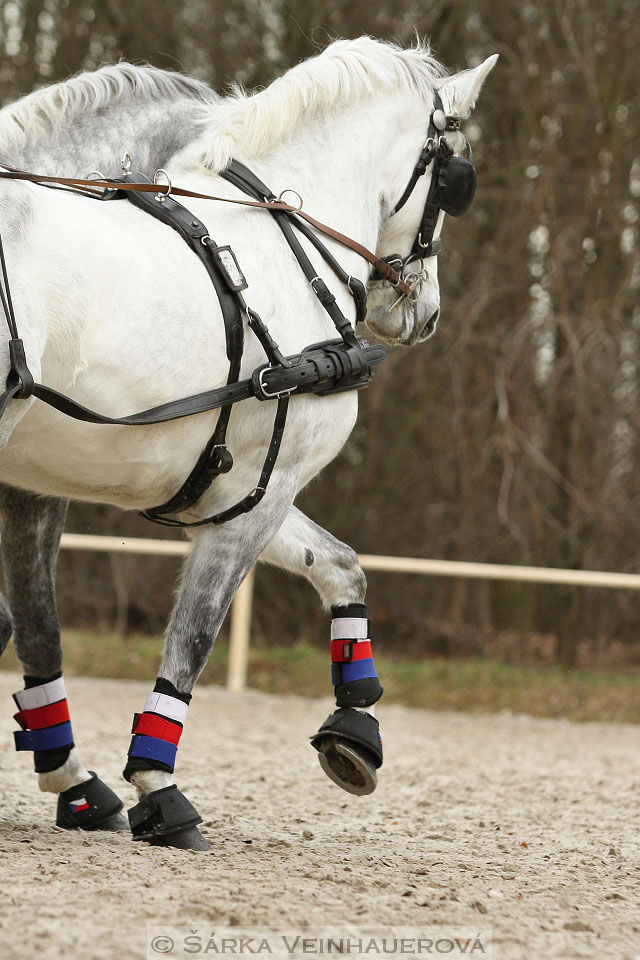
(411, 200)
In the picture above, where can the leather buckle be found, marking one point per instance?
(220, 460)
(265, 394)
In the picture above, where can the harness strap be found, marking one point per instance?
(246, 180)
(202, 475)
(94, 188)
(252, 499)
(194, 232)
(215, 457)
(316, 370)
(329, 367)
(20, 382)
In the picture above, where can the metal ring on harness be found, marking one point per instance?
(414, 281)
(107, 192)
(282, 193)
(125, 163)
(161, 197)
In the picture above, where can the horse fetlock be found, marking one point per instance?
(165, 817)
(90, 805)
(69, 775)
(156, 734)
(147, 781)
(338, 575)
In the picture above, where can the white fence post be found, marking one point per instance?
(240, 633)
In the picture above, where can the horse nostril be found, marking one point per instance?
(430, 325)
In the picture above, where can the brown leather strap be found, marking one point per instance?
(94, 187)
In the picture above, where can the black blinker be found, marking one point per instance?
(461, 187)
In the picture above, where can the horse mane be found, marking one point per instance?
(42, 112)
(347, 70)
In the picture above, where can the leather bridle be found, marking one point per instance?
(451, 189)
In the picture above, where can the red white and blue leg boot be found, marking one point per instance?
(163, 816)
(348, 742)
(84, 801)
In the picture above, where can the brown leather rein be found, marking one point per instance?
(93, 188)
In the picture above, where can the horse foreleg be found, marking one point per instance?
(220, 559)
(31, 529)
(348, 742)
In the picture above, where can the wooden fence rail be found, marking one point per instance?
(241, 610)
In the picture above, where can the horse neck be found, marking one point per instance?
(339, 163)
(151, 132)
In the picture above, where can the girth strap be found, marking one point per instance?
(317, 369)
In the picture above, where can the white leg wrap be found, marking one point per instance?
(146, 781)
(68, 775)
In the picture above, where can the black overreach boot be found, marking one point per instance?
(166, 818)
(91, 805)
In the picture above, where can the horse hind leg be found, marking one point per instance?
(30, 540)
(348, 742)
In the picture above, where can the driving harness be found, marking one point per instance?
(324, 369)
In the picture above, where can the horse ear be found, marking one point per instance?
(460, 91)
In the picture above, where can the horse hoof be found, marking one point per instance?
(347, 767)
(188, 839)
(91, 805)
(115, 823)
(166, 818)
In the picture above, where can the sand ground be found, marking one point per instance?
(525, 826)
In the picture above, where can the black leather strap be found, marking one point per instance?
(252, 499)
(243, 178)
(215, 458)
(304, 374)
(324, 368)
(20, 383)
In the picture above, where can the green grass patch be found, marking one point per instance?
(475, 686)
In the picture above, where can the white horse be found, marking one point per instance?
(116, 312)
